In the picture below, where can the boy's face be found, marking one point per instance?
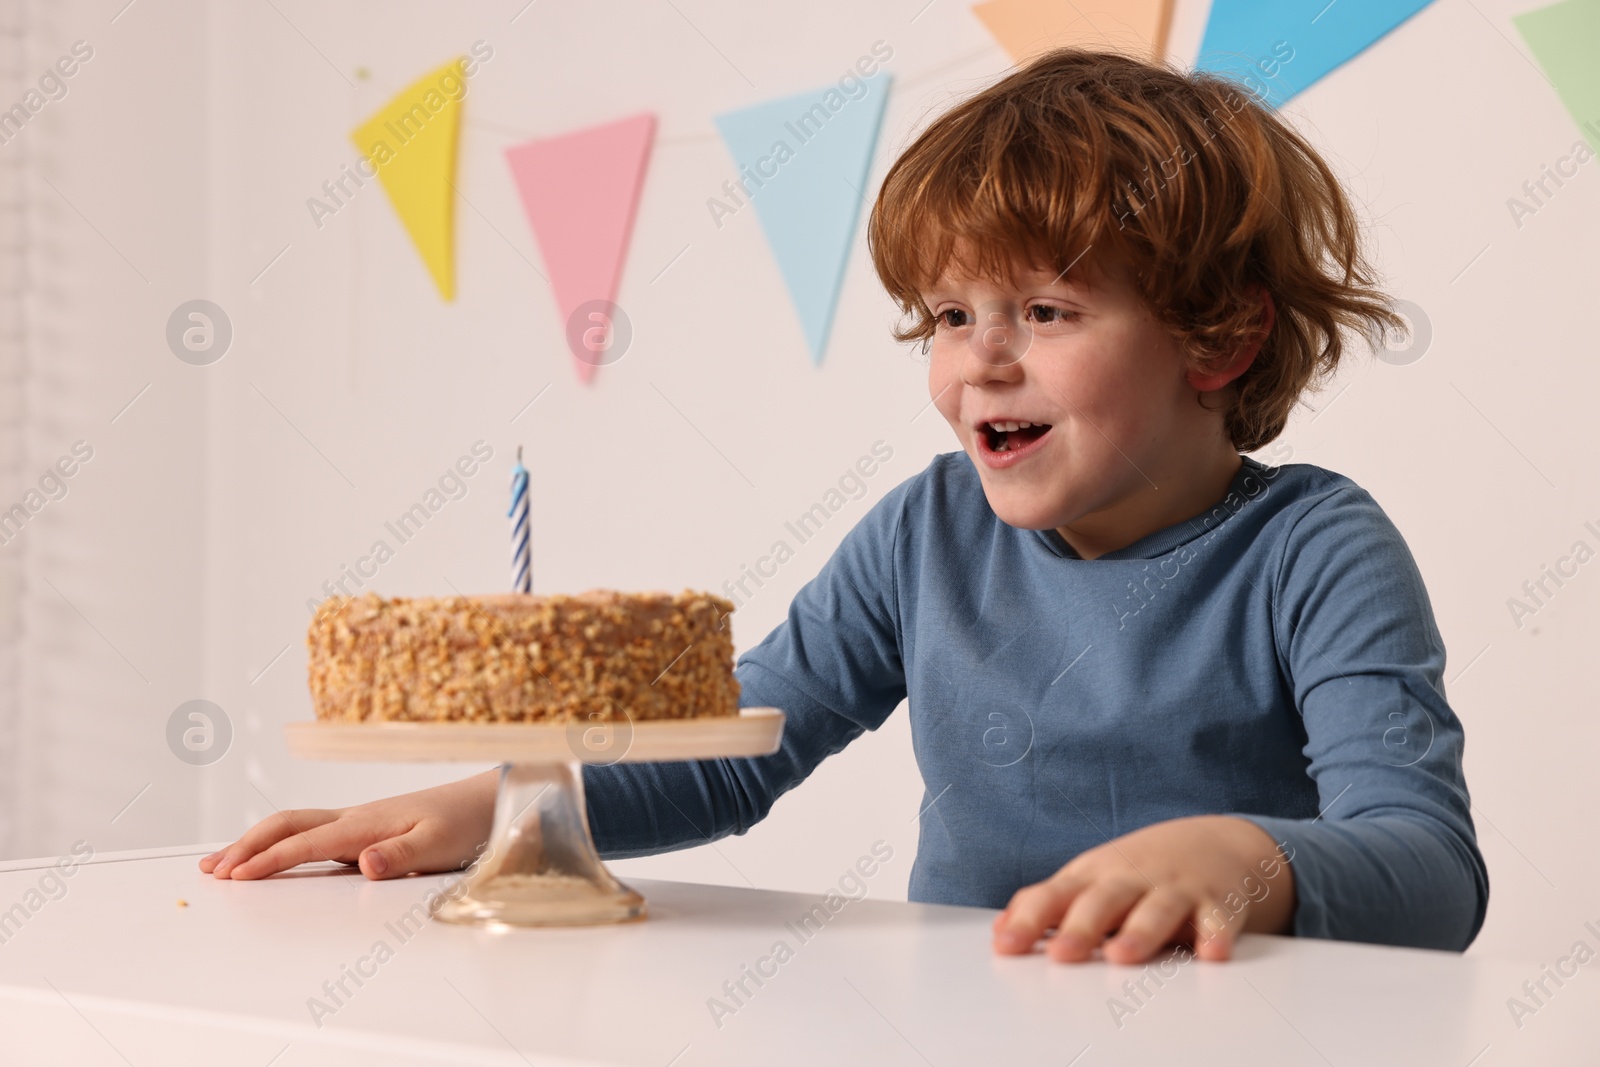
(1084, 358)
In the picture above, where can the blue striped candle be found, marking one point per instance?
(521, 551)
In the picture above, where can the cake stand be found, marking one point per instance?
(541, 868)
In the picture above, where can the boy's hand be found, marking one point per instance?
(438, 829)
(1198, 880)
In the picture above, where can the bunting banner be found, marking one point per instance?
(1025, 28)
(581, 193)
(1565, 39)
(803, 163)
(1280, 48)
(411, 142)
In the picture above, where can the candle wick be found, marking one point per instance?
(519, 453)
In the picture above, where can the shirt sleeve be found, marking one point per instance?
(1393, 857)
(833, 667)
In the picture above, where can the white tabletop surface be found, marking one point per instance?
(114, 971)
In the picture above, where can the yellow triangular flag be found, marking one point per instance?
(412, 143)
(1025, 28)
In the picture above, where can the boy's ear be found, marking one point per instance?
(1205, 383)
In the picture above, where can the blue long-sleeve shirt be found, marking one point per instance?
(1276, 658)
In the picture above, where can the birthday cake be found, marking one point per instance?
(602, 655)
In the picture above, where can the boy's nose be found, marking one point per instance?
(997, 331)
(998, 342)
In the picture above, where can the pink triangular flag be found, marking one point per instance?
(581, 191)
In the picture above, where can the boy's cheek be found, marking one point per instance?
(945, 397)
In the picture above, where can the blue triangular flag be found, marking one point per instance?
(1279, 48)
(804, 161)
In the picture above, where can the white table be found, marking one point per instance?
(116, 972)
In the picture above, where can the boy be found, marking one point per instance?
(1218, 683)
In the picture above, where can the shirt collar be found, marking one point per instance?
(1162, 541)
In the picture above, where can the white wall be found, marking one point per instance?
(109, 601)
(218, 504)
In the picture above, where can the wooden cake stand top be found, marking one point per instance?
(753, 732)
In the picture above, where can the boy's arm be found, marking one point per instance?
(1393, 857)
(833, 667)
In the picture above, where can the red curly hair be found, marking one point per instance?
(1189, 180)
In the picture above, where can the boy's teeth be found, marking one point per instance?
(1002, 432)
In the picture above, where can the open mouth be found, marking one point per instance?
(1011, 436)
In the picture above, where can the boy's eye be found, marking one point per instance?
(1046, 313)
(945, 318)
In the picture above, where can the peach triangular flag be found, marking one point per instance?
(412, 142)
(580, 191)
(1025, 28)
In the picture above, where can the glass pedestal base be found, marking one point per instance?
(540, 867)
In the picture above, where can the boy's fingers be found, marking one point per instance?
(1216, 928)
(1032, 911)
(422, 848)
(328, 840)
(264, 834)
(1095, 913)
(1159, 916)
